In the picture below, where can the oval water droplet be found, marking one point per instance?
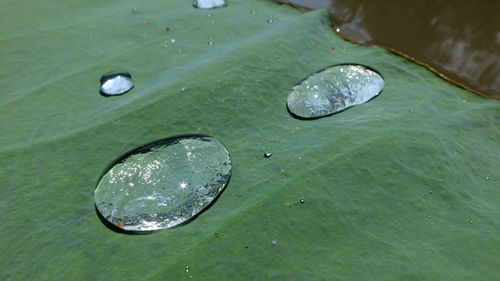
(209, 4)
(334, 89)
(164, 183)
(116, 83)
(268, 154)
(270, 19)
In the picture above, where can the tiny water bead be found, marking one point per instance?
(302, 201)
(334, 89)
(209, 4)
(163, 184)
(270, 19)
(187, 269)
(268, 154)
(116, 83)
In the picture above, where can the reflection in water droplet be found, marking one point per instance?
(274, 243)
(209, 4)
(212, 21)
(164, 183)
(246, 247)
(270, 19)
(334, 89)
(302, 201)
(487, 178)
(172, 40)
(429, 217)
(117, 83)
(211, 42)
(268, 154)
(187, 268)
(430, 191)
(338, 29)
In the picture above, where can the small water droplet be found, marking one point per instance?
(302, 201)
(270, 19)
(187, 269)
(117, 83)
(470, 221)
(430, 191)
(66, 158)
(212, 21)
(274, 243)
(172, 41)
(411, 110)
(338, 29)
(268, 154)
(209, 4)
(246, 247)
(183, 89)
(334, 89)
(211, 42)
(179, 51)
(163, 184)
(487, 178)
(429, 217)
(253, 12)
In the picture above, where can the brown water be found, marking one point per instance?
(459, 40)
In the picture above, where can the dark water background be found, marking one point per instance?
(459, 40)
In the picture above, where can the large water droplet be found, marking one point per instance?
(116, 83)
(209, 4)
(164, 183)
(334, 89)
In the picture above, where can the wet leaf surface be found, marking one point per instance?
(365, 173)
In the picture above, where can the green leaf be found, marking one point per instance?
(364, 173)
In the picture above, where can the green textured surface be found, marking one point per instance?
(364, 173)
